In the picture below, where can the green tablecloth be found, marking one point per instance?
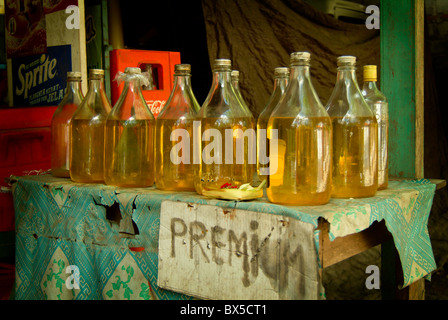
(60, 223)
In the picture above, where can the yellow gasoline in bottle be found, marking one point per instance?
(281, 77)
(380, 107)
(129, 140)
(225, 137)
(300, 134)
(174, 135)
(60, 126)
(87, 129)
(355, 136)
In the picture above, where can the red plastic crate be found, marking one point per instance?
(25, 148)
(162, 64)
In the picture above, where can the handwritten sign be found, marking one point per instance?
(217, 253)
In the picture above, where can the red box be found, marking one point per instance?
(25, 148)
(162, 64)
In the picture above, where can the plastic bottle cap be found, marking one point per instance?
(132, 70)
(370, 73)
(235, 73)
(344, 60)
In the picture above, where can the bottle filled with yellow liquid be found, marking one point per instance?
(281, 77)
(380, 107)
(129, 140)
(174, 135)
(87, 129)
(355, 136)
(224, 135)
(300, 134)
(60, 126)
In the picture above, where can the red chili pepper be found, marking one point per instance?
(225, 185)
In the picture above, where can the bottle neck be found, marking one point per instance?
(182, 81)
(346, 74)
(96, 85)
(370, 85)
(222, 77)
(301, 75)
(74, 87)
(280, 84)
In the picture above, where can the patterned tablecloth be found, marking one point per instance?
(109, 236)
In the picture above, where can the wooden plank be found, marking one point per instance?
(345, 247)
(402, 79)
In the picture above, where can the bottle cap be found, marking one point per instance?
(184, 68)
(96, 73)
(235, 74)
(223, 62)
(73, 76)
(133, 70)
(300, 58)
(346, 60)
(370, 73)
(281, 71)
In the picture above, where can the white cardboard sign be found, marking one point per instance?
(216, 253)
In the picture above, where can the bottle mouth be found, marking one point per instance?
(346, 61)
(182, 68)
(281, 71)
(96, 73)
(300, 58)
(74, 76)
(133, 70)
(222, 64)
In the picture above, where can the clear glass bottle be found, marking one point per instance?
(174, 135)
(301, 162)
(380, 107)
(225, 137)
(355, 136)
(281, 77)
(60, 125)
(87, 129)
(129, 140)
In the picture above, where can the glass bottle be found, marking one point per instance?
(60, 126)
(300, 163)
(225, 137)
(380, 107)
(281, 77)
(355, 136)
(87, 129)
(174, 135)
(129, 140)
